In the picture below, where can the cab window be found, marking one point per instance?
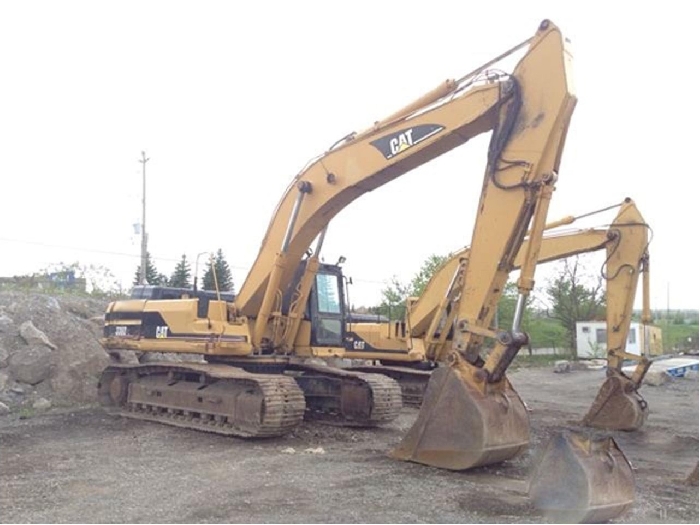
(327, 293)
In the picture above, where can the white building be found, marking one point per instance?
(591, 339)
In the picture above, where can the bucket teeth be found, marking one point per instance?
(582, 480)
(459, 427)
(618, 405)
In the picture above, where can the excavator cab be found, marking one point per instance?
(325, 306)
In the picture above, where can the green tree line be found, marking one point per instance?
(217, 273)
(572, 294)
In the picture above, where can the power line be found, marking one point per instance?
(92, 250)
(154, 258)
(63, 247)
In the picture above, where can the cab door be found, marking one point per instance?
(328, 309)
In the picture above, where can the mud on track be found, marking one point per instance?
(86, 466)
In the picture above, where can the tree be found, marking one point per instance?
(152, 275)
(506, 307)
(393, 303)
(224, 278)
(427, 270)
(94, 279)
(394, 295)
(572, 300)
(181, 275)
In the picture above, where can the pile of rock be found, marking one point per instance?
(49, 350)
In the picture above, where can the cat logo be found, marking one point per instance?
(400, 141)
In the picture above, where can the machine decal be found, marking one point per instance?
(355, 343)
(358, 345)
(392, 145)
(153, 326)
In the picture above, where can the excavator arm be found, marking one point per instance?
(626, 242)
(558, 246)
(618, 405)
(471, 415)
(527, 111)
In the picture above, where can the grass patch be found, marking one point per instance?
(678, 336)
(26, 413)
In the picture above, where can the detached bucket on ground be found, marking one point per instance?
(582, 480)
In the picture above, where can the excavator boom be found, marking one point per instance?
(424, 130)
(358, 165)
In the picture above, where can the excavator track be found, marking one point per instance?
(412, 382)
(347, 398)
(335, 396)
(206, 397)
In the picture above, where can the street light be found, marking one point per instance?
(196, 268)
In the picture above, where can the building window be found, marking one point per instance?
(586, 329)
(601, 336)
(632, 337)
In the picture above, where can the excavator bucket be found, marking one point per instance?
(459, 427)
(618, 405)
(582, 480)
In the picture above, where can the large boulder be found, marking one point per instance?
(33, 336)
(561, 367)
(49, 348)
(31, 365)
(656, 377)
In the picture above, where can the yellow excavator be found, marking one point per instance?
(408, 350)
(256, 381)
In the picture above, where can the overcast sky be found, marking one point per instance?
(230, 99)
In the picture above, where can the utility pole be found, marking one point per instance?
(144, 238)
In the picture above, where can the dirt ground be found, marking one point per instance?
(88, 467)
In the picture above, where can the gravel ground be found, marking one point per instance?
(85, 466)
